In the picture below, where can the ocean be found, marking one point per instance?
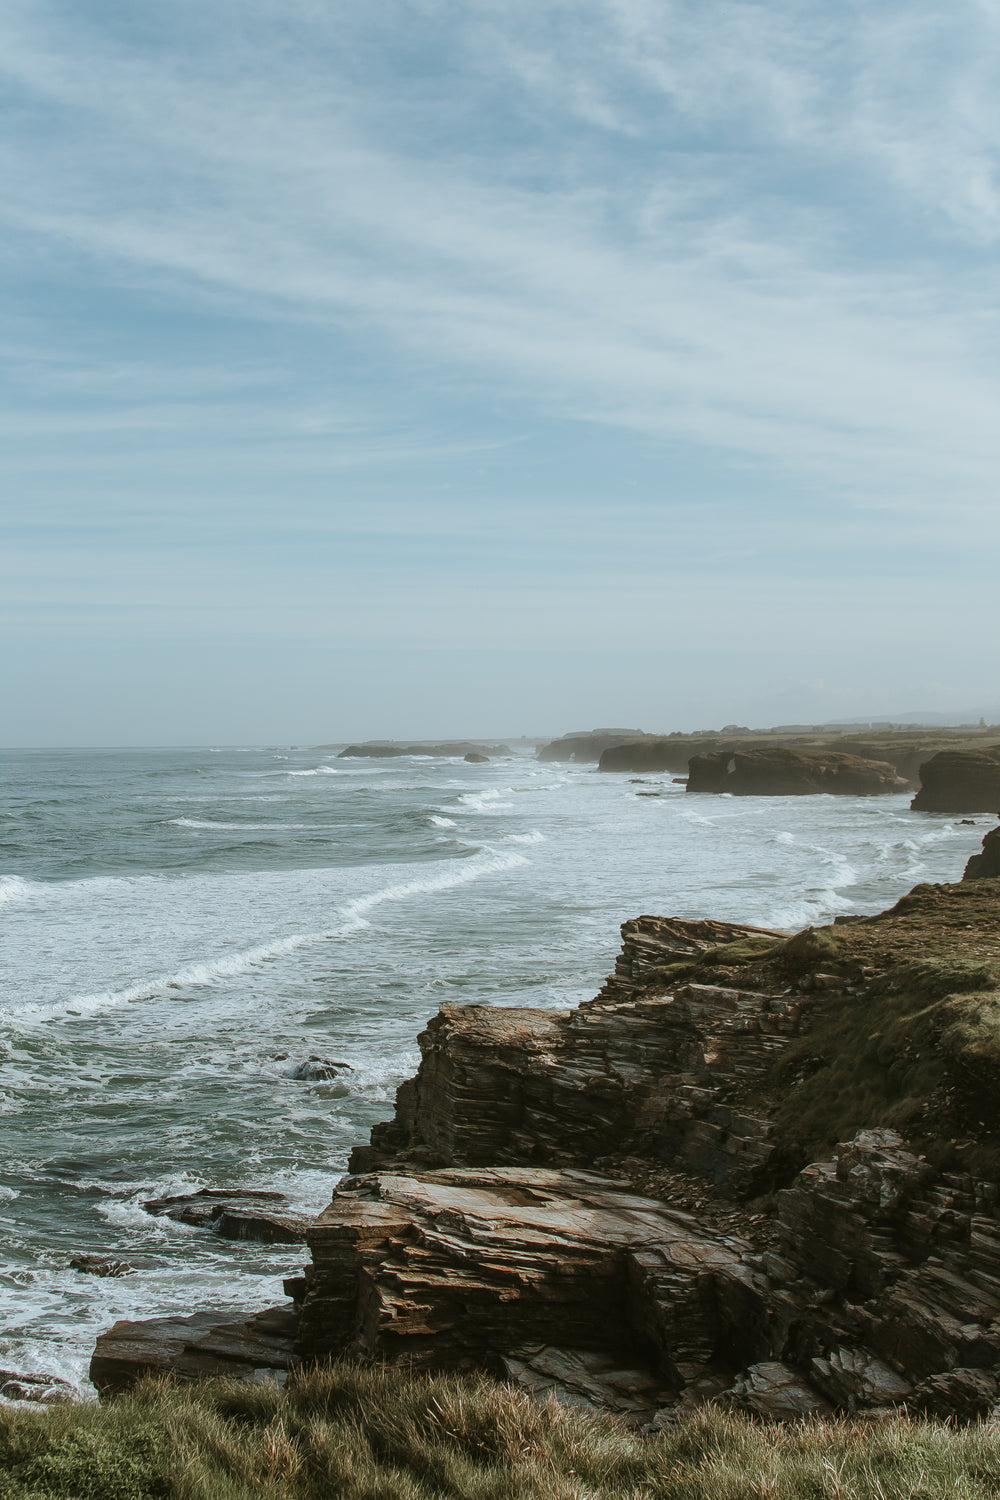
(181, 929)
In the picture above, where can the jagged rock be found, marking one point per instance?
(960, 781)
(48, 1390)
(235, 1214)
(200, 1347)
(776, 1392)
(957, 1393)
(100, 1265)
(437, 1268)
(780, 772)
(985, 866)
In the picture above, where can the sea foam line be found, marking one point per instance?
(353, 915)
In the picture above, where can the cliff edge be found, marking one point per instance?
(756, 1169)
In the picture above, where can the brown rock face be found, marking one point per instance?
(431, 1266)
(957, 781)
(200, 1347)
(625, 1072)
(780, 772)
(985, 866)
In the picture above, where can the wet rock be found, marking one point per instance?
(986, 865)
(49, 1390)
(475, 759)
(318, 1068)
(100, 1265)
(206, 1345)
(234, 1214)
(960, 781)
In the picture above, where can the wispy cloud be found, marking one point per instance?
(719, 287)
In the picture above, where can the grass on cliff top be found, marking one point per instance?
(915, 1047)
(386, 1435)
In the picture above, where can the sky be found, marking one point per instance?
(497, 367)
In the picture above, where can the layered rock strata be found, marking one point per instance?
(956, 781)
(780, 772)
(205, 1345)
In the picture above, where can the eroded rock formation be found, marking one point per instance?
(781, 772)
(986, 865)
(960, 781)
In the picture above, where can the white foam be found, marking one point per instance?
(352, 918)
(441, 822)
(316, 771)
(13, 888)
(246, 827)
(484, 802)
(534, 837)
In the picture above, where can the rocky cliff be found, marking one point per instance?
(753, 1169)
(986, 865)
(955, 781)
(780, 772)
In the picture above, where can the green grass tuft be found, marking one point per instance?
(377, 1434)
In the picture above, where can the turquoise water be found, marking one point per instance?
(182, 928)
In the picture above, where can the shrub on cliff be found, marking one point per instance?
(374, 1434)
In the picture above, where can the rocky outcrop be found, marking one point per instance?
(880, 1287)
(630, 1071)
(385, 750)
(475, 759)
(956, 781)
(781, 772)
(234, 1214)
(985, 866)
(205, 1345)
(621, 1204)
(589, 746)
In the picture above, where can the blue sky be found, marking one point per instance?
(478, 368)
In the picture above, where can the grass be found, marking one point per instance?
(376, 1434)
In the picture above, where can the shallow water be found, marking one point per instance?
(181, 928)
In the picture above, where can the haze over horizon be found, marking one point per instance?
(441, 370)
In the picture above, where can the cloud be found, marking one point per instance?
(739, 225)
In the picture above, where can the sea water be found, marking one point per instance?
(181, 929)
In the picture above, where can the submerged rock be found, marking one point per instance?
(48, 1390)
(100, 1265)
(234, 1214)
(318, 1069)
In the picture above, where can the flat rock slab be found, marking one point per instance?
(235, 1214)
(206, 1345)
